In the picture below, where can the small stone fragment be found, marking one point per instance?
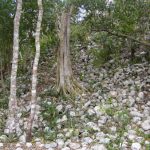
(18, 145)
(60, 142)
(53, 144)
(1, 145)
(29, 145)
(141, 95)
(136, 146)
(47, 146)
(113, 94)
(74, 146)
(66, 148)
(98, 147)
(146, 125)
(50, 148)
(87, 140)
(19, 148)
(22, 139)
(59, 108)
(3, 138)
(72, 114)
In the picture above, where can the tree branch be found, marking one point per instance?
(125, 36)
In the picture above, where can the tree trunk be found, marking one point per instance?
(34, 71)
(66, 84)
(12, 123)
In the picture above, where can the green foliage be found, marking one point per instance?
(4, 94)
(122, 118)
(50, 135)
(7, 9)
(4, 102)
(101, 57)
(12, 138)
(49, 92)
(108, 48)
(109, 21)
(79, 34)
(50, 114)
(2, 123)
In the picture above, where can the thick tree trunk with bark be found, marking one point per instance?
(34, 71)
(12, 122)
(66, 84)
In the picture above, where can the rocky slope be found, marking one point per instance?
(113, 114)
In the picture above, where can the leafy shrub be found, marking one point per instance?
(49, 114)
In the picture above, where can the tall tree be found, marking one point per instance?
(65, 81)
(12, 123)
(34, 71)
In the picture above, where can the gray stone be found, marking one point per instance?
(74, 146)
(87, 140)
(147, 142)
(86, 104)
(136, 114)
(113, 129)
(41, 145)
(1, 145)
(59, 108)
(102, 120)
(19, 148)
(3, 138)
(29, 145)
(72, 114)
(64, 118)
(53, 145)
(124, 145)
(50, 148)
(104, 140)
(139, 139)
(98, 147)
(18, 145)
(93, 126)
(91, 112)
(47, 146)
(131, 101)
(131, 137)
(22, 139)
(136, 119)
(60, 143)
(113, 94)
(136, 146)
(6, 131)
(83, 148)
(141, 95)
(66, 148)
(146, 125)
(98, 111)
(38, 143)
(19, 115)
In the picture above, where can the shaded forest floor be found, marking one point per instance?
(113, 114)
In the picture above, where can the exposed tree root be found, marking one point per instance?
(70, 88)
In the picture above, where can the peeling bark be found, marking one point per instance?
(34, 71)
(12, 122)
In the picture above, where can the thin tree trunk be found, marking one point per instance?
(34, 71)
(66, 84)
(11, 124)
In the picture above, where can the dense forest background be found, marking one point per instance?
(75, 72)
